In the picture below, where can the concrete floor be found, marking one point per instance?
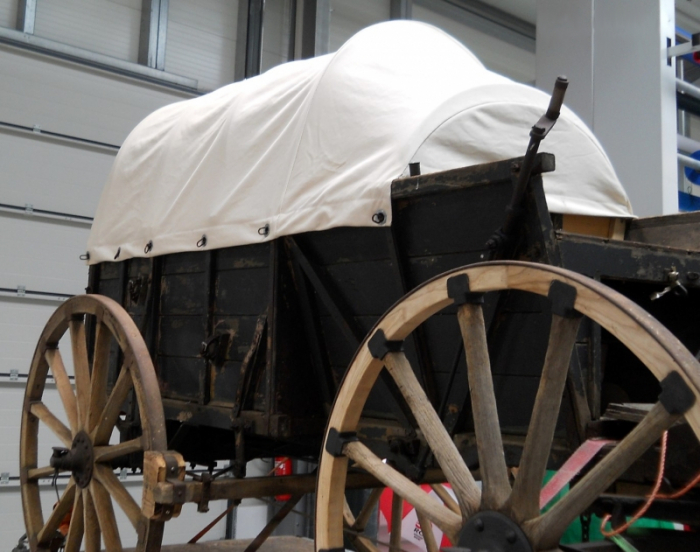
(272, 544)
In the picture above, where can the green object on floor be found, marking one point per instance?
(573, 533)
(623, 543)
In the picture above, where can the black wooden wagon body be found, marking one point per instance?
(256, 339)
(250, 343)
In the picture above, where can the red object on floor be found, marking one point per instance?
(283, 466)
(572, 467)
(412, 539)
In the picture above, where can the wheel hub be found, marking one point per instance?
(491, 531)
(78, 460)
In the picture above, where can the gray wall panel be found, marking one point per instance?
(43, 256)
(350, 16)
(21, 324)
(73, 100)
(202, 41)
(498, 55)
(8, 13)
(277, 22)
(109, 27)
(51, 175)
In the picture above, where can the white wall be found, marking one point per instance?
(277, 28)
(8, 13)
(350, 16)
(628, 102)
(71, 99)
(201, 41)
(504, 57)
(496, 54)
(109, 27)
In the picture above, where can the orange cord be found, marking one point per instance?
(654, 494)
(684, 490)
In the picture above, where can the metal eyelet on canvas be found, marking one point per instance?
(379, 217)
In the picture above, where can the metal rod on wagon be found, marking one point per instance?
(537, 134)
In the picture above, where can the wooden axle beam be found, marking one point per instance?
(258, 487)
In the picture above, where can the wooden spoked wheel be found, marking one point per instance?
(512, 510)
(84, 425)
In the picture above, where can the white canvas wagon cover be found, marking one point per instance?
(315, 144)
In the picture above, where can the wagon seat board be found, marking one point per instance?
(255, 236)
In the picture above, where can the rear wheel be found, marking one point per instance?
(83, 423)
(495, 513)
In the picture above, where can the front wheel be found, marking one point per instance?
(492, 513)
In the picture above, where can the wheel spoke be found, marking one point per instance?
(524, 502)
(448, 521)
(100, 371)
(40, 410)
(81, 369)
(492, 461)
(125, 501)
(74, 538)
(58, 514)
(92, 525)
(110, 452)
(105, 516)
(110, 413)
(396, 522)
(64, 387)
(41, 473)
(366, 513)
(348, 517)
(440, 442)
(446, 497)
(428, 536)
(356, 526)
(545, 530)
(360, 542)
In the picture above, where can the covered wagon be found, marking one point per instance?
(285, 267)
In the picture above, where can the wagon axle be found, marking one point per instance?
(78, 459)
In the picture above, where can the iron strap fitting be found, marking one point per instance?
(379, 346)
(676, 395)
(203, 505)
(174, 476)
(458, 290)
(172, 471)
(336, 441)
